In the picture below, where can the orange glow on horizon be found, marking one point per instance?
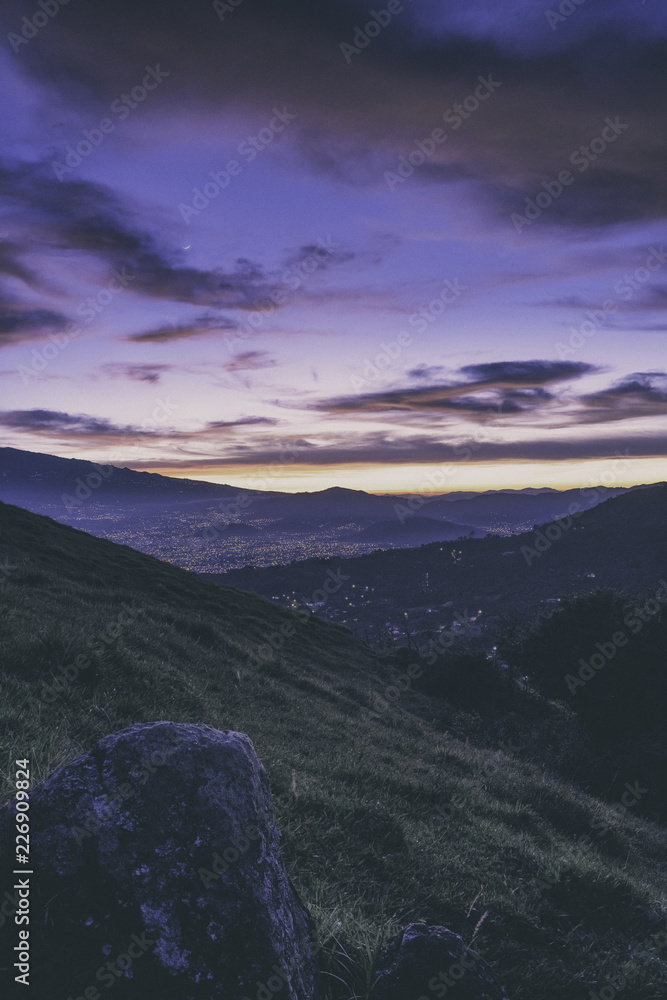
(422, 479)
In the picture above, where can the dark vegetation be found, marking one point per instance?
(466, 793)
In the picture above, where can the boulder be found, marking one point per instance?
(157, 874)
(429, 963)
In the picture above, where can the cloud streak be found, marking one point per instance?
(92, 219)
(250, 361)
(19, 322)
(500, 388)
(78, 426)
(381, 450)
(643, 394)
(201, 326)
(135, 373)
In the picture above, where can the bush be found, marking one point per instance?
(467, 679)
(604, 655)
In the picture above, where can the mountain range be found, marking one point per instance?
(213, 528)
(619, 544)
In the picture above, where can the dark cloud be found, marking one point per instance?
(422, 372)
(83, 217)
(317, 256)
(250, 360)
(529, 373)
(202, 326)
(242, 422)
(136, 373)
(58, 424)
(77, 215)
(12, 266)
(378, 449)
(602, 197)
(76, 426)
(643, 394)
(355, 119)
(500, 388)
(626, 300)
(19, 323)
(515, 389)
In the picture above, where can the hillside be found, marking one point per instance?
(35, 478)
(621, 543)
(386, 817)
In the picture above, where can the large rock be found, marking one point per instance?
(429, 963)
(157, 874)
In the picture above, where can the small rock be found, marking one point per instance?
(429, 963)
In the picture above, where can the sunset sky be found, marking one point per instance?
(253, 242)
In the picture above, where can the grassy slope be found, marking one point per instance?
(356, 800)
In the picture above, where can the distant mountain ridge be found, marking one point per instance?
(209, 527)
(33, 474)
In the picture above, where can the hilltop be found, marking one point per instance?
(387, 817)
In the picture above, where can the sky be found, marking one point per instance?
(412, 247)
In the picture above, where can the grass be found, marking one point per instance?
(359, 801)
